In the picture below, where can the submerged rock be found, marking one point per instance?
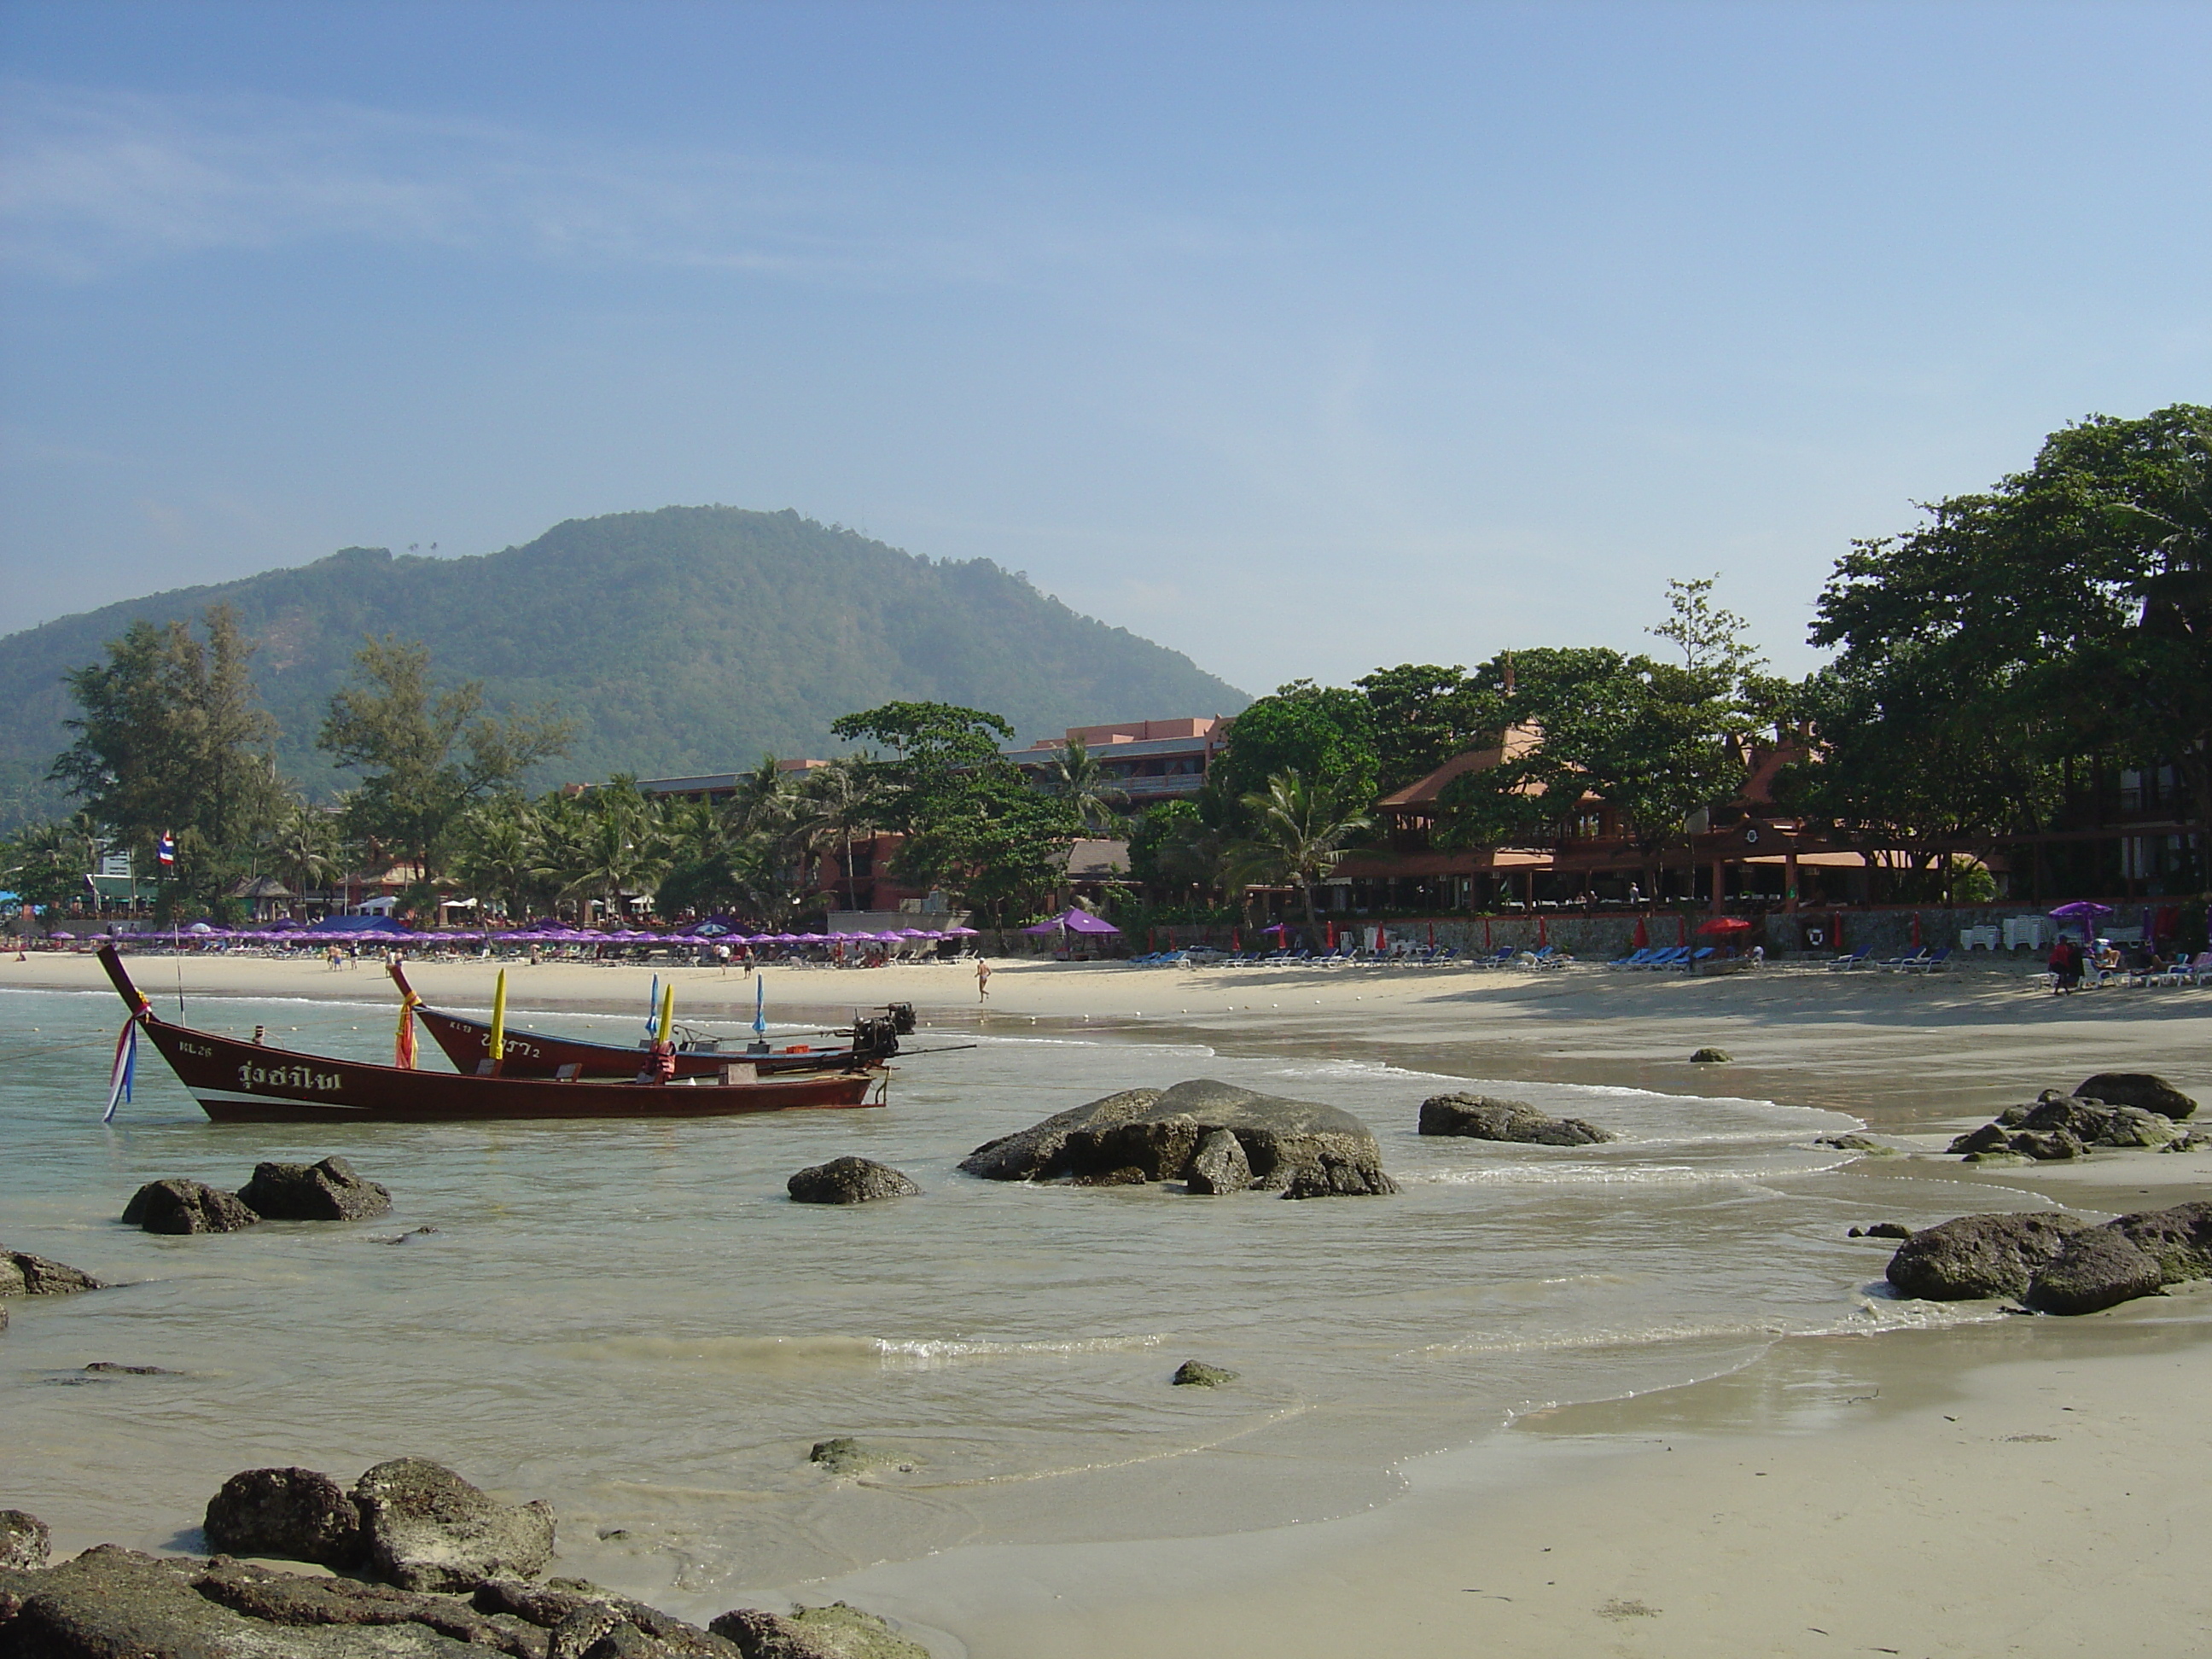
(426, 1528)
(328, 1191)
(1298, 1148)
(836, 1632)
(1979, 1256)
(22, 1274)
(2145, 1090)
(186, 1206)
(1197, 1374)
(1713, 1057)
(849, 1181)
(845, 1456)
(297, 1514)
(1852, 1143)
(1484, 1117)
(23, 1541)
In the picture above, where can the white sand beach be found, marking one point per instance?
(2030, 1487)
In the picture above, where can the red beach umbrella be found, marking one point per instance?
(1726, 925)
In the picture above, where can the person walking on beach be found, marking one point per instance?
(983, 980)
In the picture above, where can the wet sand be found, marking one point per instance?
(2035, 1486)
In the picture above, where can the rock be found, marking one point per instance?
(2005, 1156)
(294, 1601)
(3, 1318)
(836, 1632)
(1978, 1256)
(22, 1274)
(1197, 1374)
(2097, 1269)
(2142, 1089)
(186, 1206)
(1713, 1057)
(577, 1612)
(1219, 1166)
(109, 1367)
(1296, 1147)
(1889, 1230)
(1486, 1118)
(848, 1181)
(426, 1528)
(2094, 1123)
(2045, 1145)
(2179, 1239)
(23, 1541)
(328, 1191)
(845, 1456)
(1989, 1137)
(1850, 1144)
(294, 1513)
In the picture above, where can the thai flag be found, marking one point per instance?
(126, 1065)
(165, 849)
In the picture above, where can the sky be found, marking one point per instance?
(1301, 338)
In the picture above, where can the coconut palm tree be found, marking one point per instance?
(302, 847)
(1298, 833)
(835, 805)
(498, 856)
(1075, 776)
(620, 851)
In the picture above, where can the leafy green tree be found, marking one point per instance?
(621, 852)
(1181, 844)
(498, 859)
(425, 757)
(2066, 612)
(1323, 733)
(835, 807)
(171, 738)
(302, 847)
(1422, 715)
(46, 864)
(1299, 833)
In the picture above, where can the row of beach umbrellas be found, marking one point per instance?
(541, 935)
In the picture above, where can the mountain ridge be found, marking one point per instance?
(682, 640)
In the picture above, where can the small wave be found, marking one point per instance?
(1360, 1068)
(938, 1351)
(1602, 1175)
(744, 1353)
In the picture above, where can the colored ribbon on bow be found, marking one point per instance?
(126, 1068)
(403, 1054)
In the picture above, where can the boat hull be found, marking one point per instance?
(467, 1043)
(237, 1082)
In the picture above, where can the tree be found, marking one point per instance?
(1422, 715)
(1179, 845)
(835, 805)
(1324, 734)
(172, 740)
(426, 756)
(302, 847)
(1075, 776)
(620, 851)
(2065, 613)
(497, 854)
(1298, 835)
(46, 864)
(993, 841)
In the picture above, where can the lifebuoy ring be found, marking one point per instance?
(1816, 936)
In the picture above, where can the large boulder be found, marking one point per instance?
(297, 1514)
(1978, 1256)
(328, 1191)
(2062, 1126)
(2179, 1239)
(1299, 1148)
(1484, 1117)
(1219, 1166)
(848, 1181)
(426, 1528)
(23, 1541)
(2144, 1089)
(186, 1206)
(2098, 1268)
(586, 1621)
(836, 1632)
(22, 1274)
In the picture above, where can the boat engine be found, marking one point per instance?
(875, 1037)
(901, 1017)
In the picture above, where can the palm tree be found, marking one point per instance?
(302, 847)
(1298, 833)
(46, 863)
(621, 851)
(1075, 776)
(836, 805)
(498, 856)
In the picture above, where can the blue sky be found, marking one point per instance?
(1301, 338)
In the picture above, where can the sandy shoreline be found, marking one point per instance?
(1840, 1495)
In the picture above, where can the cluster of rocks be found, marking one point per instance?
(22, 1274)
(1212, 1137)
(2054, 1262)
(2113, 1109)
(459, 1571)
(1483, 1117)
(328, 1191)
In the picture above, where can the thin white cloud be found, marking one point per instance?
(96, 180)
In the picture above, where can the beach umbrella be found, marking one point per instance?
(2082, 908)
(1726, 925)
(962, 933)
(912, 933)
(59, 934)
(1642, 935)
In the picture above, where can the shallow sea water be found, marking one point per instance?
(633, 1320)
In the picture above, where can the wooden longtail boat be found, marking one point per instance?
(467, 1043)
(239, 1082)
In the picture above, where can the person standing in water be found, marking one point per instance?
(983, 980)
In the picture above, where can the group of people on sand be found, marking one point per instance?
(2072, 964)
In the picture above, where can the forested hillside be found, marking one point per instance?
(689, 639)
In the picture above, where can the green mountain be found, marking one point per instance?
(688, 640)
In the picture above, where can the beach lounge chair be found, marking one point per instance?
(1689, 960)
(1915, 960)
(1845, 964)
(1673, 956)
(1932, 964)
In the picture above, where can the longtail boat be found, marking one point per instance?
(467, 1043)
(243, 1082)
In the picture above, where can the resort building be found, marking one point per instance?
(1147, 761)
